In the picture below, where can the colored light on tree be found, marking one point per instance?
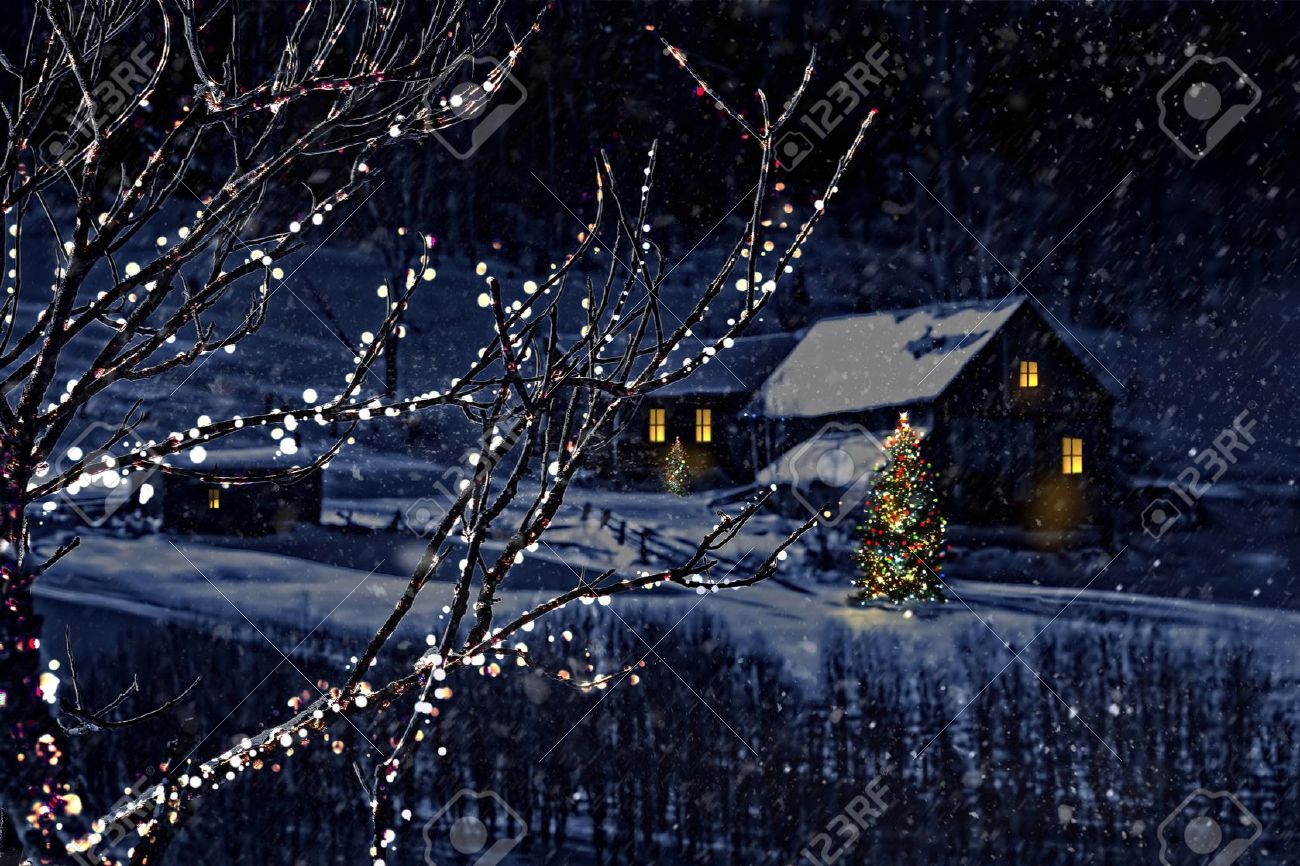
(901, 538)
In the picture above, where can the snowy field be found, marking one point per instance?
(1114, 690)
(346, 579)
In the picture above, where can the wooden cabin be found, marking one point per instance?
(260, 508)
(1017, 417)
(1018, 422)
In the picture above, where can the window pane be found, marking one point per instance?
(703, 425)
(1072, 455)
(658, 418)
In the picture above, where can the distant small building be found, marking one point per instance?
(258, 508)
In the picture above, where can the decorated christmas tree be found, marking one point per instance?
(677, 478)
(901, 538)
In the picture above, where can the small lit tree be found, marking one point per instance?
(677, 477)
(542, 402)
(901, 539)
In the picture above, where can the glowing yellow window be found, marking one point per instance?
(214, 498)
(1028, 374)
(703, 425)
(658, 424)
(1071, 456)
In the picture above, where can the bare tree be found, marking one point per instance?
(119, 114)
(412, 199)
(327, 96)
(542, 398)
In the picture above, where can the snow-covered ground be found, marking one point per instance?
(345, 582)
(1106, 637)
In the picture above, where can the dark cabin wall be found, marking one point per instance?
(246, 509)
(1001, 444)
(727, 459)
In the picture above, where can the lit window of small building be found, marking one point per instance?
(1071, 456)
(658, 424)
(246, 505)
(703, 425)
(1028, 374)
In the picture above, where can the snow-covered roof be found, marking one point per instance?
(219, 459)
(893, 358)
(740, 368)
